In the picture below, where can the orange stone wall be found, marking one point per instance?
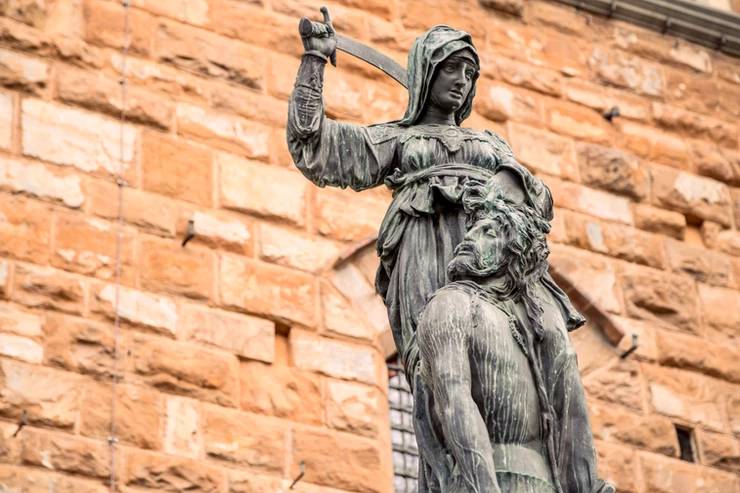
(247, 352)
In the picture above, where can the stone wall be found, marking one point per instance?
(245, 352)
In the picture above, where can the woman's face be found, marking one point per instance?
(452, 82)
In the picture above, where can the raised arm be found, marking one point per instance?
(329, 152)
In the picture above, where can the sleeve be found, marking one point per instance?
(329, 152)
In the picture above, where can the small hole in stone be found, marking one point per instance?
(686, 443)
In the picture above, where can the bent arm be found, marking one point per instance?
(329, 152)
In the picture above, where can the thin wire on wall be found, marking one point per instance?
(121, 182)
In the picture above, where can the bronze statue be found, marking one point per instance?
(429, 161)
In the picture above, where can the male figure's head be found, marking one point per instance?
(504, 240)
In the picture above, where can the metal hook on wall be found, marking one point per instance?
(633, 348)
(191, 232)
(22, 423)
(300, 476)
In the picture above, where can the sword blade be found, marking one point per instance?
(373, 57)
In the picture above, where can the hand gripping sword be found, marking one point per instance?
(352, 47)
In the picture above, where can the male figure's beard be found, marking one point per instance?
(467, 263)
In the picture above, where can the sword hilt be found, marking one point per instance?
(309, 29)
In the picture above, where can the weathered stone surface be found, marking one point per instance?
(51, 397)
(717, 316)
(23, 73)
(41, 182)
(653, 433)
(686, 395)
(612, 170)
(333, 358)
(224, 131)
(660, 297)
(280, 391)
(616, 240)
(340, 317)
(136, 307)
(513, 7)
(291, 249)
(21, 348)
(715, 162)
(65, 453)
(44, 287)
(621, 70)
(520, 74)
(242, 482)
(90, 247)
(663, 475)
(186, 369)
(151, 213)
(659, 221)
(704, 265)
(245, 439)
(138, 414)
(7, 103)
(181, 431)
(172, 474)
(619, 383)
(78, 345)
(591, 273)
(70, 137)
(219, 229)
(346, 216)
(703, 93)
(161, 78)
(337, 460)
(202, 52)
(19, 322)
(590, 201)
(268, 290)
(248, 337)
(720, 451)
(25, 229)
(694, 124)
(251, 187)
(350, 282)
(101, 94)
(104, 22)
(33, 481)
(579, 122)
(167, 267)
(544, 151)
(500, 103)
(177, 168)
(353, 408)
(697, 354)
(6, 270)
(617, 466)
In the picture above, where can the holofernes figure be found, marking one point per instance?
(510, 411)
(427, 159)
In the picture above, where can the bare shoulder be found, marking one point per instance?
(452, 305)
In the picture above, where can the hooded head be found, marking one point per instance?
(428, 51)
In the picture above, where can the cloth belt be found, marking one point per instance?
(521, 460)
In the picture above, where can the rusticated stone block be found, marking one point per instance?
(51, 397)
(280, 391)
(172, 474)
(687, 395)
(186, 369)
(167, 267)
(338, 460)
(138, 414)
(244, 439)
(619, 383)
(177, 168)
(698, 354)
(663, 475)
(52, 289)
(720, 451)
(153, 312)
(718, 317)
(65, 453)
(353, 407)
(23, 73)
(613, 170)
(704, 265)
(25, 232)
(79, 345)
(651, 432)
(660, 297)
(617, 466)
(268, 290)
(182, 436)
(248, 337)
(333, 358)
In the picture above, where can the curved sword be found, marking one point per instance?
(373, 57)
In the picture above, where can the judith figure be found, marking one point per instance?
(426, 158)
